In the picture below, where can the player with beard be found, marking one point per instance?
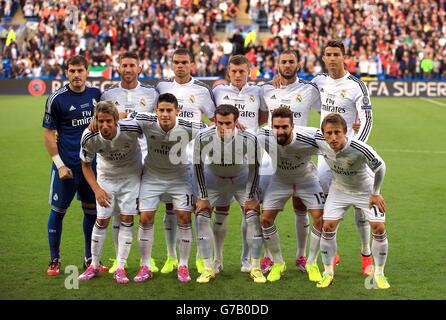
(299, 96)
(344, 94)
(290, 147)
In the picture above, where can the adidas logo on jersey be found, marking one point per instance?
(72, 108)
(226, 98)
(273, 97)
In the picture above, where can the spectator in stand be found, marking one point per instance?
(364, 65)
(373, 67)
(437, 67)
(28, 9)
(443, 67)
(350, 63)
(2, 67)
(427, 65)
(238, 41)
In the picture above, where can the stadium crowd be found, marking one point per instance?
(385, 39)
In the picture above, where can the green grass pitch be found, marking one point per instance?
(408, 133)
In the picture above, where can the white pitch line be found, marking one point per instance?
(434, 102)
(414, 151)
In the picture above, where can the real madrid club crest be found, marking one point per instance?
(192, 99)
(252, 98)
(343, 93)
(142, 102)
(298, 98)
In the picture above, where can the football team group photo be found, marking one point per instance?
(252, 149)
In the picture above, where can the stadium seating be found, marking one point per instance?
(384, 39)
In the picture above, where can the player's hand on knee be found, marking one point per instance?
(102, 197)
(252, 205)
(378, 200)
(202, 205)
(65, 173)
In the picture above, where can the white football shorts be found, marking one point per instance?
(221, 190)
(279, 191)
(123, 192)
(338, 202)
(154, 188)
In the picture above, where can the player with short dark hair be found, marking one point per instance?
(226, 165)
(68, 112)
(299, 96)
(252, 113)
(166, 174)
(295, 175)
(130, 95)
(348, 96)
(195, 99)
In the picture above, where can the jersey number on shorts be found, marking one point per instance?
(190, 200)
(320, 198)
(378, 213)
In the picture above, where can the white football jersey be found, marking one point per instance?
(349, 166)
(116, 158)
(292, 162)
(194, 98)
(299, 97)
(349, 97)
(227, 159)
(143, 98)
(248, 101)
(166, 154)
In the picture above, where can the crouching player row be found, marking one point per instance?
(226, 164)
